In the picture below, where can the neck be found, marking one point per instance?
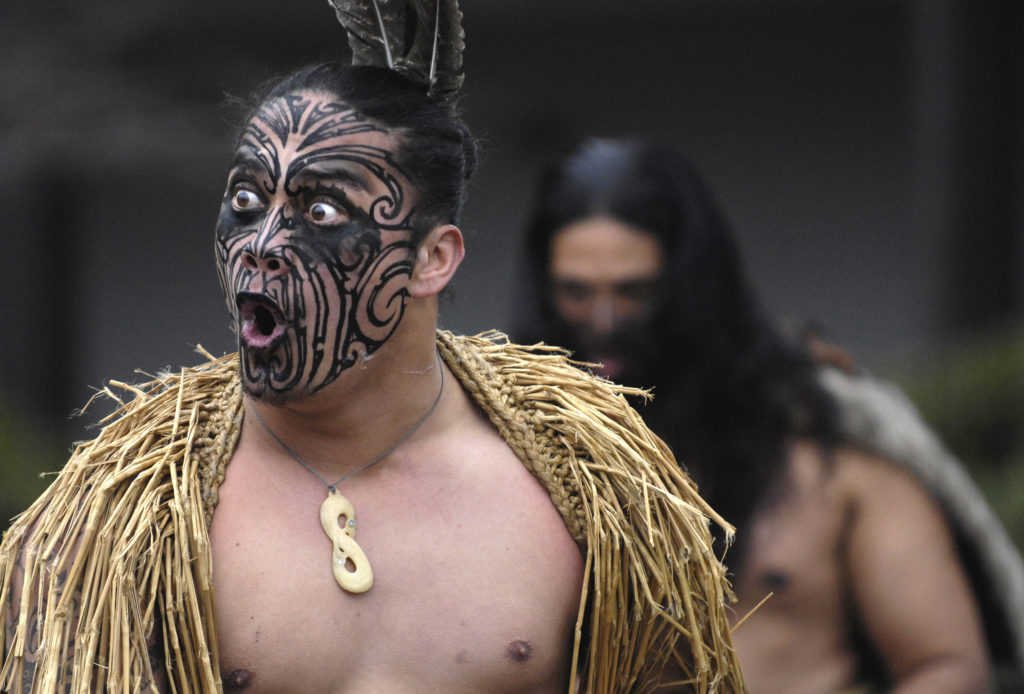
(368, 409)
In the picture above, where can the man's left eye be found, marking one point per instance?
(321, 212)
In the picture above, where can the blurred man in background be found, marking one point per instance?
(630, 264)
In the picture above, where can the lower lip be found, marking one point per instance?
(254, 339)
(610, 367)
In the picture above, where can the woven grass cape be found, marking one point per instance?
(125, 525)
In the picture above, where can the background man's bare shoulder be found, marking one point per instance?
(911, 592)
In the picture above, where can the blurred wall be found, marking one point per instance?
(868, 153)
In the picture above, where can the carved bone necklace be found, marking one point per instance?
(346, 550)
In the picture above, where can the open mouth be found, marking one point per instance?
(610, 365)
(262, 323)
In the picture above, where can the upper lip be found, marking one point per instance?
(248, 301)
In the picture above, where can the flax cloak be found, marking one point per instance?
(125, 524)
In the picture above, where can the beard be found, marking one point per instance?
(629, 355)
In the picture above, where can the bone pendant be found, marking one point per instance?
(346, 550)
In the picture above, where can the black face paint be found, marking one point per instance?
(633, 343)
(313, 244)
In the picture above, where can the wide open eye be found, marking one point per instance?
(245, 200)
(323, 212)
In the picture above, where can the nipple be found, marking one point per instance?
(519, 651)
(239, 679)
(775, 580)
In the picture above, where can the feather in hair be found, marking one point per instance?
(422, 40)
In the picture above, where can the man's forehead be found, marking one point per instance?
(306, 119)
(317, 135)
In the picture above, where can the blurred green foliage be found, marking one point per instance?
(28, 450)
(972, 393)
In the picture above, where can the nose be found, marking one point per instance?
(266, 262)
(604, 315)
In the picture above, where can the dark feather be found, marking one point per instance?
(420, 39)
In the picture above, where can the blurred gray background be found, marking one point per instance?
(868, 153)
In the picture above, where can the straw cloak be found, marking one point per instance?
(115, 555)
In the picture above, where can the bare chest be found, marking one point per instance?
(475, 582)
(796, 566)
(795, 556)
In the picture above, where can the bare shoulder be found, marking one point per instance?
(907, 579)
(870, 480)
(890, 505)
(485, 460)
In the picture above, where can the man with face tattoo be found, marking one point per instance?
(630, 264)
(356, 501)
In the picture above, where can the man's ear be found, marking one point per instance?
(437, 258)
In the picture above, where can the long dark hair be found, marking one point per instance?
(730, 390)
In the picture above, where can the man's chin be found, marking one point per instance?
(609, 366)
(621, 369)
(258, 390)
(257, 377)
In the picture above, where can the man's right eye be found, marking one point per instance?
(574, 291)
(245, 200)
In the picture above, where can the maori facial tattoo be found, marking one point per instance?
(314, 244)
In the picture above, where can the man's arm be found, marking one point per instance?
(24, 603)
(12, 609)
(909, 589)
(24, 609)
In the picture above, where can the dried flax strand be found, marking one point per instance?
(117, 547)
(656, 591)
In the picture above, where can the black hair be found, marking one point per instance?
(437, 150)
(730, 390)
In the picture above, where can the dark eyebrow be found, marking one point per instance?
(337, 171)
(245, 158)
